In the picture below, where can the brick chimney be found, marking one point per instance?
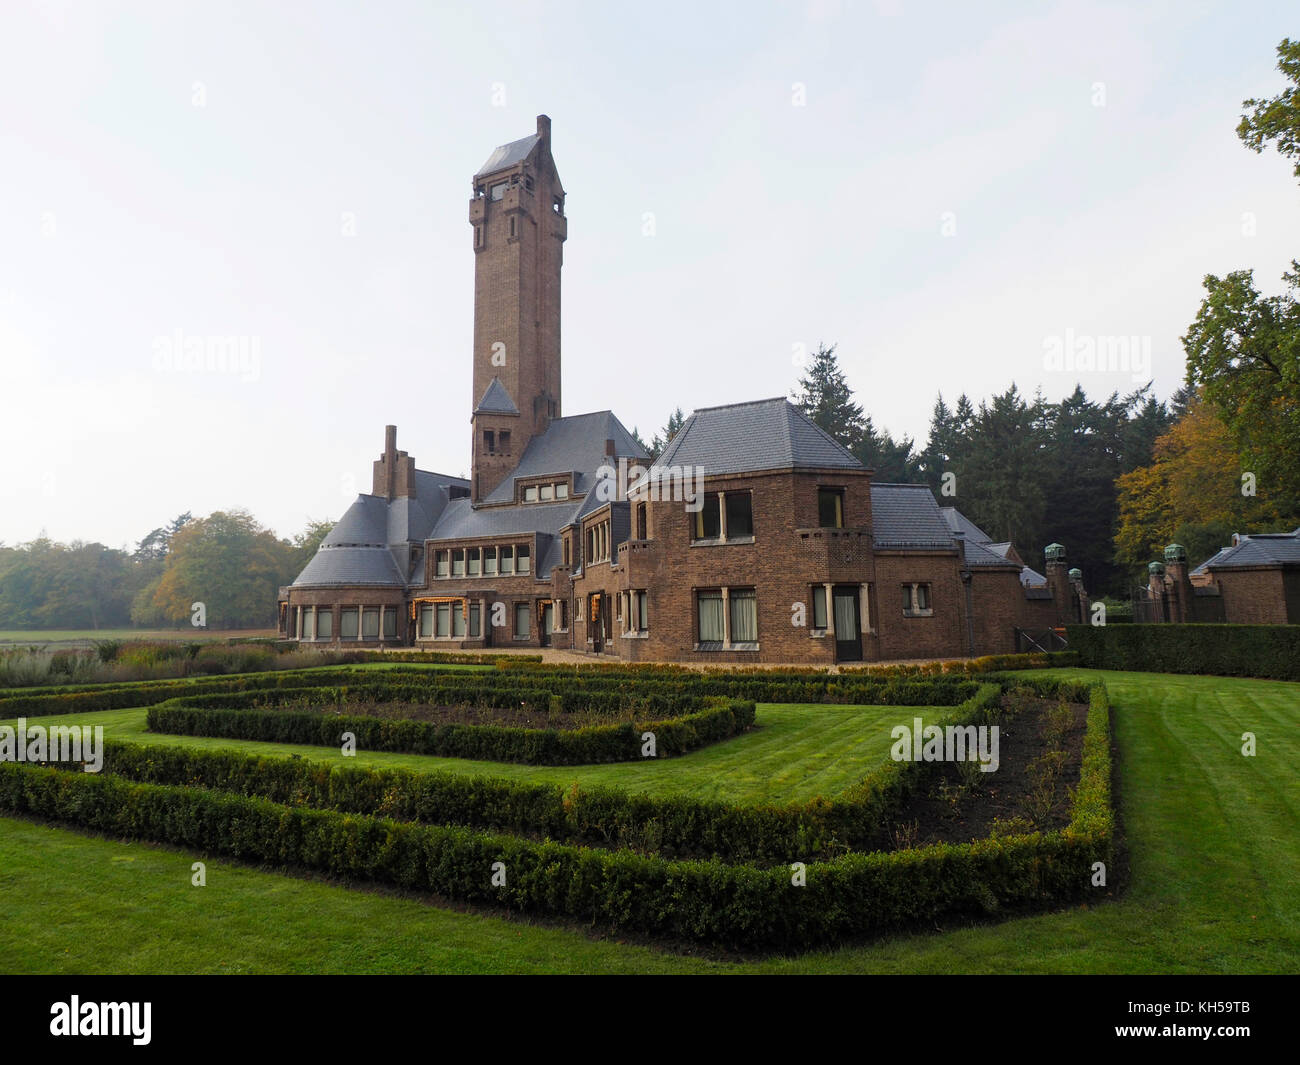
(1058, 582)
(1178, 584)
(394, 472)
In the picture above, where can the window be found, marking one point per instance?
(473, 561)
(478, 236)
(505, 441)
(640, 521)
(561, 616)
(639, 621)
(521, 621)
(370, 623)
(916, 600)
(441, 563)
(426, 620)
(744, 616)
(458, 562)
(512, 225)
(711, 622)
(530, 494)
(304, 627)
(458, 620)
(528, 182)
(566, 550)
(507, 561)
(390, 623)
(740, 517)
(598, 542)
(708, 523)
(348, 623)
(444, 620)
(521, 558)
(324, 624)
(819, 607)
(830, 508)
(475, 630)
(498, 190)
(489, 441)
(562, 490)
(548, 492)
(489, 562)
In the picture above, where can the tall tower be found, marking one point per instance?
(517, 214)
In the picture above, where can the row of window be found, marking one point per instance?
(598, 542)
(363, 623)
(546, 493)
(453, 619)
(505, 560)
(727, 516)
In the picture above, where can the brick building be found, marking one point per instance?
(1253, 581)
(755, 537)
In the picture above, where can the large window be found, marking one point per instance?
(830, 508)
(305, 626)
(370, 623)
(708, 521)
(521, 559)
(475, 622)
(458, 562)
(639, 619)
(507, 561)
(324, 624)
(474, 562)
(740, 517)
(441, 568)
(521, 621)
(489, 562)
(744, 616)
(390, 623)
(444, 620)
(426, 620)
(348, 623)
(711, 621)
(729, 520)
(458, 620)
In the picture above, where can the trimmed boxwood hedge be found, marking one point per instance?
(604, 816)
(738, 906)
(1268, 651)
(707, 721)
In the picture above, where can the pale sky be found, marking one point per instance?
(947, 191)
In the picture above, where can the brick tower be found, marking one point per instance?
(517, 214)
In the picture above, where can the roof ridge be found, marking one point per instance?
(743, 403)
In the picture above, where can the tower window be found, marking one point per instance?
(490, 440)
(498, 190)
(830, 508)
(528, 182)
(505, 441)
(557, 206)
(478, 236)
(512, 225)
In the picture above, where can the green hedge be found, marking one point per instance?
(738, 906)
(1268, 651)
(717, 720)
(604, 816)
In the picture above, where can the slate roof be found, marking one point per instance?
(977, 554)
(1258, 549)
(907, 516)
(571, 445)
(369, 545)
(766, 434)
(959, 523)
(508, 155)
(496, 400)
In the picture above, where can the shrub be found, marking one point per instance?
(1268, 651)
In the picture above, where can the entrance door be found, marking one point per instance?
(848, 632)
(596, 622)
(548, 614)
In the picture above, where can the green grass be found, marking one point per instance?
(798, 753)
(1213, 841)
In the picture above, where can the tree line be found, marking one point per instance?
(226, 561)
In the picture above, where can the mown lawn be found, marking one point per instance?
(797, 753)
(1213, 839)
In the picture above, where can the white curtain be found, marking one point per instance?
(846, 618)
(711, 628)
(744, 617)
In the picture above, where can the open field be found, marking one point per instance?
(1213, 848)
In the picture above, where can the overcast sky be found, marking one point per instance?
(949, 192)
